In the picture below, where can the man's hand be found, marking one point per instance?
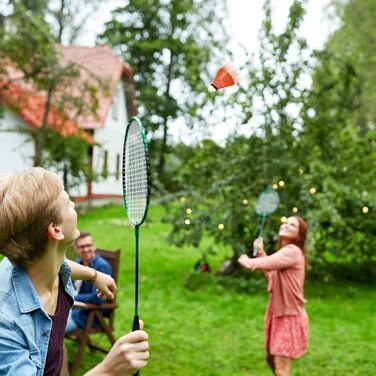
(127, 356)
(105, 285)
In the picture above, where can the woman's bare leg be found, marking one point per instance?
(270, 361)
(282, 366)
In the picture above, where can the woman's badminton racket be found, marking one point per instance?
(267, 202)
(136, 187)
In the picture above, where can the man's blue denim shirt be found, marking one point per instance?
(24, 325)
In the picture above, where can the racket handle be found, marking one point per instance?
(136, 326)
(136, 323)
(255, 250)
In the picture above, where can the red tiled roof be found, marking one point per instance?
(30, 107)
(95, 62)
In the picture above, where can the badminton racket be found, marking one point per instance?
(266, 203)
(136, 188)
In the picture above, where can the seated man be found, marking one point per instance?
(85, 291)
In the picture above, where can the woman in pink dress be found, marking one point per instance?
(286, 321)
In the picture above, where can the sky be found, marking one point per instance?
(245, 18)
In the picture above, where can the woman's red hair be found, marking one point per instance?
(301, 239)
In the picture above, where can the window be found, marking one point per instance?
(117, 166)
(105, 164)
(115, 105)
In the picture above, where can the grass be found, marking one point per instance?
(200, 324)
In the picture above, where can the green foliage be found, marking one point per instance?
(355, 40)
(29, 46)
(69, 156)
(227, 177)
(170, 45)
(339, 130)
(28, 42)
(307, 138)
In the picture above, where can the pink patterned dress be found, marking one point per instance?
(285, 336)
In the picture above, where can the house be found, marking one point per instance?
(104, 131)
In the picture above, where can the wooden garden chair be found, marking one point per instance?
(104, 313)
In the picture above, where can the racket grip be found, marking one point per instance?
(136, 326)
(255, 250)
(136, 323)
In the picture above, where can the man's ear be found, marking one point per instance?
(54, 232)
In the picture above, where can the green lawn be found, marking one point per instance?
(203, 325)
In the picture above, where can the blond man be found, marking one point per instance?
(37, 224)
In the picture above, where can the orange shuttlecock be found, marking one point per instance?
(227, 76)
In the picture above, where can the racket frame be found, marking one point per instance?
(148, 173)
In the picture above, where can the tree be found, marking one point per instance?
(68, 18)
(29, 46)
(356, 39)
(169, 44)
(340, 133)
(228, 180)
(311, 138)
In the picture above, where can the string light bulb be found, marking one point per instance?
(281, 183)
(221, 226)
(245, 202)
(187, 222)
(189, 211)
(275, 186)
(183, 199)
(301, 171)
(283, 219)
(295, 209)
(312, 190)
(365, 209)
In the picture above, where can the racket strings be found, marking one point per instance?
(267, 203)
(136, 175)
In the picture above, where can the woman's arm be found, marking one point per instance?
(284, 258)
(103, 282)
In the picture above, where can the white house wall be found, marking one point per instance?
(110, 138)
(16, 153)
(15, 149)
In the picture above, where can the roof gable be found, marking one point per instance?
(95, 63)
(30, 107)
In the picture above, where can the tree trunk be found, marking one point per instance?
(40, 138)
(163, 148)
(65, 176)
(162, 151)
(60, 21)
